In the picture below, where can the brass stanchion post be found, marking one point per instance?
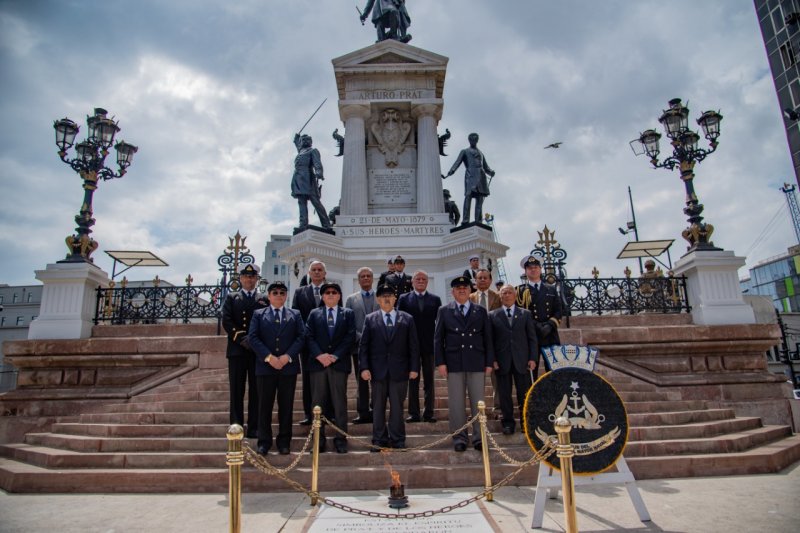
(485, 450)
(316, 428)
(235, 459)
(565, 453)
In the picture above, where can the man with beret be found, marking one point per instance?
(398, 280)
(277, 335)
(330, 334)
(464, 354)
(542, 300)
(237, 312)
(388, 357)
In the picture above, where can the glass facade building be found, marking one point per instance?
(777, 278)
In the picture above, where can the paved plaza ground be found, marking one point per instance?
(769, 503)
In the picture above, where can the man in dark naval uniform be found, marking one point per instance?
(542, 300)
(390, 15)
(475, 183)
(237, 312)
(399, 281)
(305, 186)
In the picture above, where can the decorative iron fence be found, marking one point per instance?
(152, 305)
(626, 295)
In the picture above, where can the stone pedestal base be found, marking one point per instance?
(713, 286)
(68, 301)
(424, 241)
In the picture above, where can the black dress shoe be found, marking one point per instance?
(508, 430)
(411, 419)
(460, 447)
(341, 447)
(283, 451)
(263, 450)
(399, 446)
(305, 422)
(429, 419)
(478, 446)
(362, 420)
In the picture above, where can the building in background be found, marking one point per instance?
(777, 278)
(780, 28)
(19, 305)
(272, 269)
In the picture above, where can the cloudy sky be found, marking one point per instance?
(212, 93)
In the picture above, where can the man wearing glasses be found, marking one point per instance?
(330, 334)
(277, 335)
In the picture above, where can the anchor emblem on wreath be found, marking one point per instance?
(583, 416)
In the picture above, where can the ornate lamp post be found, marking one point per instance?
(90, 165)
(685, 153)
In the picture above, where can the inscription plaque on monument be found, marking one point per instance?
(392, 186)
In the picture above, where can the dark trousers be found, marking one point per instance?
(330, 385)
(393, 433)
(241, 371)
(427, 384)
(522, 382)
(282, 386)
(306, 385)
(362, 397)
(302, 201)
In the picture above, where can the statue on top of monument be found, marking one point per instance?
(305, 181)
(390, 18)
(475, 183)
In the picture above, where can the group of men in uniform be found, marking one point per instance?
(392, 338)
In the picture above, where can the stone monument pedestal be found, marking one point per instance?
(712, 284)
(68, 301)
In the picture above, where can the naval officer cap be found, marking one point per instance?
(460, 281)
(390, 261)
(325, 286)
(277, 286)
(384, 289)
(529, 260)
(474, 256)
(249, 270)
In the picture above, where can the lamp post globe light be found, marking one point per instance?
(685, 154)
(89, 163)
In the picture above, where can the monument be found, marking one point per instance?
(392, 202)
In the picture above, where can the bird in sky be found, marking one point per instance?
(553, 145)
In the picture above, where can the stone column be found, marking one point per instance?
(354, 199)
(429, 169)
(69, 298)
(713, 286)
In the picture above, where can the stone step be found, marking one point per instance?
(664, 406)
(728, 443)
(177, 417)
(16, 476)
(693, 431)
(673, 418)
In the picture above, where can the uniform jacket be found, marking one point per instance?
(463, 343)
(389, 353)
(356, 302)
(492, 299)
(546, 307)
(515, 344)
(267, 337)
(319, 340)
(400, 282)
(237, 312)
(307, 170)
(475, 182)
(424, 320)
(381, 7)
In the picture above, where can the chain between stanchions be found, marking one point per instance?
(275, 469)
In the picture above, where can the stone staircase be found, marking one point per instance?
(172, 439)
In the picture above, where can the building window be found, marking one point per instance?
(20, 321)
(274, 253)
(2, 321)
(283, 270)
(787, 55)
(33, 318)
(30, 297)
(275, 270)
(15, 298)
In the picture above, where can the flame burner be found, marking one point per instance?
(397, 497)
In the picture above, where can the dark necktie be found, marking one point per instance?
(483, 300)
(420, 302)
(389, 320)
(316, 295)
(535, 290)
(367, 296)
(276, 314)
(461, 309)
(508, 314)
(331, 323)
(249, 296)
